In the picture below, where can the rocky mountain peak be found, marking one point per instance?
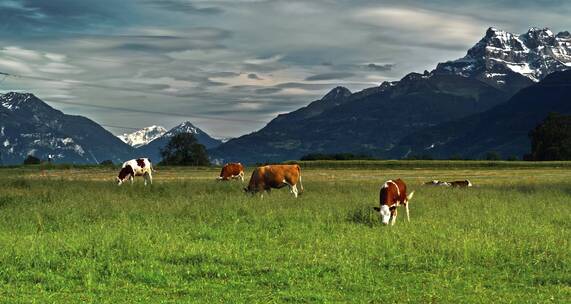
(536, 37)
(337, 93)
(14, 100)
(500, 55)
(185, 127)
(143, 136)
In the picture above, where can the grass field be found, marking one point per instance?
(71, 235)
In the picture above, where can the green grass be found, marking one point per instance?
(70, 235)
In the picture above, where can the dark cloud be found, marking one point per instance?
(265, 91)
(379, 67)
(330, 76)
(182, 6)
(254, 76)
(31, 17)
(304, 86)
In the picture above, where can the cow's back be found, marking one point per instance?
(390, 195)
(277, 174)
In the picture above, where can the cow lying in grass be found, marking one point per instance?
(135, 167)
(232, 171)
(392, 194)
(275, 176)
(461, 184)
(437, 183)
(456, 184)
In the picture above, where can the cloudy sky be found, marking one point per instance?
(229, 66)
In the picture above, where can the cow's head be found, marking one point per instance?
(124, 175)
(385, 213)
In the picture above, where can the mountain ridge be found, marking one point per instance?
(29, 126)
(374, 120)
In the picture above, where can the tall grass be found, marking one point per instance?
(72, 235)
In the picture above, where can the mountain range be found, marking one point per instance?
(376, 120)
(485, 101)
(29, 126)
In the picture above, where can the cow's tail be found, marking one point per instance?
(300, 184)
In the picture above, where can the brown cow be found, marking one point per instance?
(275, 176)
(392, 194)
(231, 171)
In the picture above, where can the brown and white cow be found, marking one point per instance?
(136, 167)
(231, 171)
(275, 176)
(392, 194)
(461, 184)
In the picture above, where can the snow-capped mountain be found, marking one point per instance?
(375, 120)
(143, 136)
(500, 55)
(29, 126)
(185, 127)
(153, 148)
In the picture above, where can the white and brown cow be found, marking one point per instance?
(231, 171)
(136, 167)
(392, 194)
(275, 176)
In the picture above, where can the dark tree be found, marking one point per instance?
(511, 158)
(32, 160)
(184, 150)
(551, 139)
(492, 155)
(107, 162)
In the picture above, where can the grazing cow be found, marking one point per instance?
(437, 183)
(231, 171)
(393, 193)
(461, 184)
(275, 176)
(136, 167)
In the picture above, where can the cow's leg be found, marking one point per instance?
(150, 178)
(131, 179)
(407, 213)
(242, 176)
(394, 218)
(294, 190)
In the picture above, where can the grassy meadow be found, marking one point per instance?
(71, 235)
